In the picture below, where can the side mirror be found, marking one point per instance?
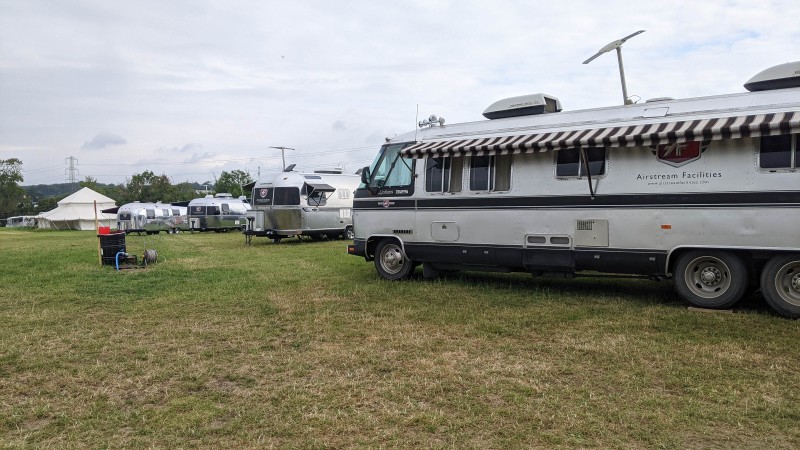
(365, 175)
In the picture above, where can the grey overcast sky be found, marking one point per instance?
(190, 88)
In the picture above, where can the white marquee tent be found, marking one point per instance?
(77, 212)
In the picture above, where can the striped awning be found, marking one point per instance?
(644, 134)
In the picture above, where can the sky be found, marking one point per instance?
(191, 88)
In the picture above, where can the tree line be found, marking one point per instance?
(16, 200)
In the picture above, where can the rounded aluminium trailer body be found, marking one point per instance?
(316, 205)
(151, 218)
(220, 212)
(706, 191)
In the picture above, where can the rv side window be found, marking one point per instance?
(343, 193)
(226, 208)
(151, 213)
(490, 173)
(212, 210)
(569, 164)
(165, 212)
(443, 174)
(176, 212)
(779, 152)
(286, 196)
(317, 198)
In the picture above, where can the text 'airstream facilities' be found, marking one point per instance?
(151, 218)
(220, 212)
(317, 204)
(703, 190)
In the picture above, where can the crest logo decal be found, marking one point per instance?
(680, 153)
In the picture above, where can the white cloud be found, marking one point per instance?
(233, 78)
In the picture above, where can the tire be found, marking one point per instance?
(390, 261)
(276, 240)
(780, 284)
(710, 278)
(349, 234)
(316, 237)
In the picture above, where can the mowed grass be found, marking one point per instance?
(299, 345)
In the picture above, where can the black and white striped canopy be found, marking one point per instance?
(645, 134)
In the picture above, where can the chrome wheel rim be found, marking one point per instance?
(707, 277)
(787, 282)
(392, 259)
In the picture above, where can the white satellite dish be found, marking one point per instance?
(617, 45)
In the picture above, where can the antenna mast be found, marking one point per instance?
(617, 45)
(283, 157)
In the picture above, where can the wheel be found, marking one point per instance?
(316, 237)
(780, 284)
(170, 231)
(349, 234)
(390, 262)
(276, 240)
(710, 279)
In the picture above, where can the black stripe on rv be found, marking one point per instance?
(677, 200)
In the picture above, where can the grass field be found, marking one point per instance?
(300, 345)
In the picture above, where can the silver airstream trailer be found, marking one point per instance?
(317, 204)
(21, 221)
(220, 212)
(151, 218)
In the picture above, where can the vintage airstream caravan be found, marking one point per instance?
(705, 191)
(151, 218)
(316, 204)
(220, 212)
(21, 221)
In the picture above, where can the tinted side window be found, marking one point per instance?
(490, 173)
(776, 152)
(286, 196)
(569, 164)
(151, 213)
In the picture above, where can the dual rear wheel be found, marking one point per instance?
(718, 279)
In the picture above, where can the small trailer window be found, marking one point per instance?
(176, 212)
(317, 198)
(490, 173)
(226, 208)
(443, 174)
(569, 164)
(343, 193)
(125, 216)
(165, 212)
(151, 213)
(779, 152)
(212, 210)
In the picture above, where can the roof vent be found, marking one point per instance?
(524, 105)
(658, 99)
(777, 77)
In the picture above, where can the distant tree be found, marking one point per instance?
(12, 197)
(109, 190)
(184, 191)
(232, 182)
(148, 187)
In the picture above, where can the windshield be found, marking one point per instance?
(390, 170)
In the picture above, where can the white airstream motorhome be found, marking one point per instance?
(220, 212)
(316, 204)
(705, 191)
(151, 218)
